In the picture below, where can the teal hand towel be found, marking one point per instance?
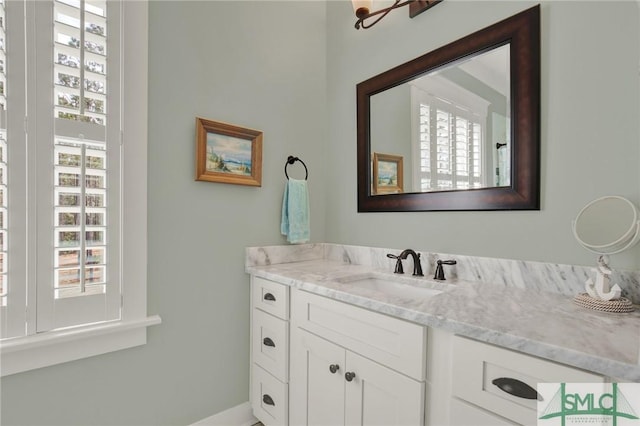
(295, 212)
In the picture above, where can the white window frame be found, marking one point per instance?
(53, 347)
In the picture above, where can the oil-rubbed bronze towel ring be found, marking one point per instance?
(292, 160)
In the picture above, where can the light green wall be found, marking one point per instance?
(264, 65)
(254, 64)
(590, 132)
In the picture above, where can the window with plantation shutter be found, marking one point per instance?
(69, 293)
(448, 141)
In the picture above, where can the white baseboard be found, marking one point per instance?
(240, 415)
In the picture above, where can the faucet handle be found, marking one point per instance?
(417, 269)
(399, 269)
(439, 275)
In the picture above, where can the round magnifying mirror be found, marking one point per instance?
(607, 225)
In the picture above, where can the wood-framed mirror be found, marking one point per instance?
(465, 118)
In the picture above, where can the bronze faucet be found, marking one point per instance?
(417, 267)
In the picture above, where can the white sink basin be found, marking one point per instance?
(392, 286)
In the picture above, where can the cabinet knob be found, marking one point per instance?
(270, 297)
(334, 368)
(516, 388)
(268, 400)
(349, 375)
(268, 342)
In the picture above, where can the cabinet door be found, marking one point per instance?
(316, 394)
(380, 396)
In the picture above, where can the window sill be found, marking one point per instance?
(55, 347)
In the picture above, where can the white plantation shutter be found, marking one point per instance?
(3, 162)
(3, 217)
(458, 149)
(78, 260)
(80, 59)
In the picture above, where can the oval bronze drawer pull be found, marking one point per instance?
(516, 387)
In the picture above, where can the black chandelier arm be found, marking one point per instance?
(360, 22)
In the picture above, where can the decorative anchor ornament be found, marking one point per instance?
(601, 289)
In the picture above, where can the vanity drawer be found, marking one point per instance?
(395, 343)
(270, 398)
(476, 365)
(464, 414)
(271, 297)
(271, 344)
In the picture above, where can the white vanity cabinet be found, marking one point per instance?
(319, 361)
(352, 366)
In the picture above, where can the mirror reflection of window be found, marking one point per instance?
(460, 136)
(449, 153)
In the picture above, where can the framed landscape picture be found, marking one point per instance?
(387, 173)
(228, 154)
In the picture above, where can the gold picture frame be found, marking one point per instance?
(228, 154)
(387, 174)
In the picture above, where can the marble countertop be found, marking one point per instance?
(546, 325)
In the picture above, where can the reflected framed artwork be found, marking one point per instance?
(387, 173)
(228, 154)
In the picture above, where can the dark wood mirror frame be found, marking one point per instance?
(522, 32)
